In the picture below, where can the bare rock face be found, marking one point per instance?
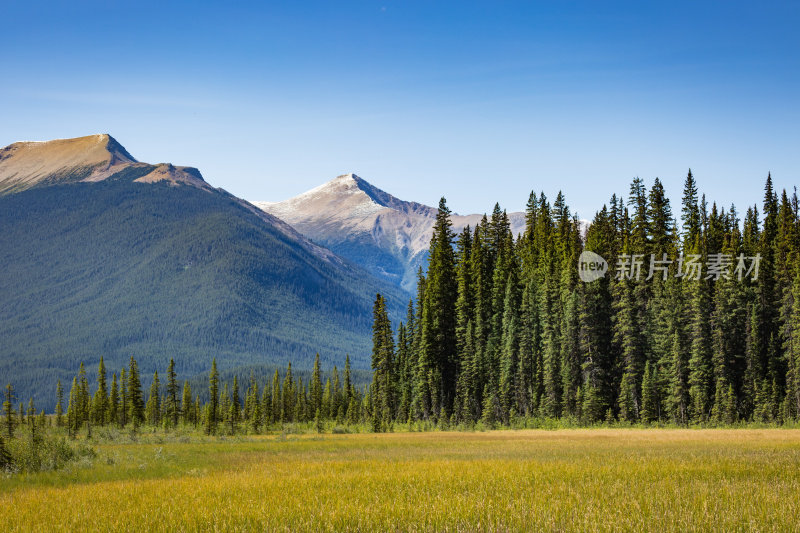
(358, 221)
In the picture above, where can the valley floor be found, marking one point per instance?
(583, 479)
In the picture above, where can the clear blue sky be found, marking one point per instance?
(480, 102)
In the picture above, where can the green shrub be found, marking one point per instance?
(45, 452)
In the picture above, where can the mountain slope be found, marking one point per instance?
(387, 236)
(163, 267)
(24, 165)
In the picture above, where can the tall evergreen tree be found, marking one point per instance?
(254, 411)
(236, 405)
(8, 411)
(172, 407)
(792, 347)
(266, 406)
(186, 404)
(700, 363)
(135, 396)
(84, 401)
(289, 396)
(153, 407)
(122, 412)
(678, 393)
(438, 346)
(212, 409)
(113, 400)
(277, 401)
(650, 398)
(100, 401)
(510, 346)
(315, 387)
(59, 404)
(73, 417)
(690, 213)
(383, 381)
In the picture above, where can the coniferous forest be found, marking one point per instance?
(696, 321)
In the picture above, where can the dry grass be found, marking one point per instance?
(588, 480)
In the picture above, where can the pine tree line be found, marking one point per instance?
(251, 408)
(502, 328)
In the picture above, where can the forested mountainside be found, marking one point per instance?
(165, 266)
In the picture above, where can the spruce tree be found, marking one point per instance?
(73, 417)
(438, 347)
(510, 344)
(678, 395)
(225, 407)
(59, 404)
(649, 395)
(212, 414)
(122, 412)
(266, 406)
(289, 393)
(551, 361)
(337, 405)
(172, 410)
(598, 363)
(701, 379)
(465, 309)
(530, 344)
(236, 405)
(690, 213)
(8, 411)
(315, 387)
(768, 343)
(186, 403)
(481, 301)
(348, 383)
(84, 401)
(327, 397)
(255, 414)
(32, 419)
(467, 406)
(153, 407)
(792, 347)
(382, 389)
(100, 401)
(421, 394)
(301, 401)
(403, 377)
(277, 401)
(113, 400)
(571, 363)
(135, 396)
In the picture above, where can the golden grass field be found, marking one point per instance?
(587, 480)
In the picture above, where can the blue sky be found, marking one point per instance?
(480, 102)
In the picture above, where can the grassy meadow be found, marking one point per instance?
(573, 479)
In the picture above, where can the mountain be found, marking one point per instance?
(387, 236)
(104, 255)
(30, 164)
